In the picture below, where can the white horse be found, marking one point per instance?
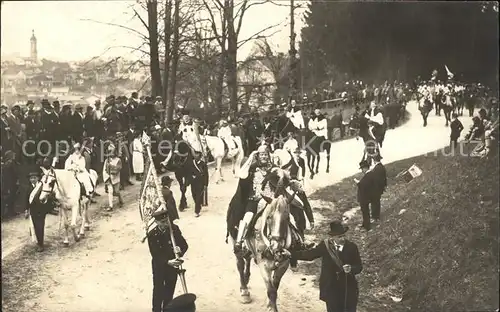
(68, 192)
(216, 147)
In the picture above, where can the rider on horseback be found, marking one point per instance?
(225, 134)
(76, 163)
(253, 186)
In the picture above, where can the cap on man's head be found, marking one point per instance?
(160, 214)
(30, 102)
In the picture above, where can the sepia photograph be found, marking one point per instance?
(249, 155)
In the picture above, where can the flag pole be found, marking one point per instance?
(181, 271)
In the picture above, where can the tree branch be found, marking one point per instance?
(258, 35)
(119, 26)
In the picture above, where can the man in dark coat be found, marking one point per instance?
(146, 115)
(49, 128)
(340, 263)
(36, 210)
(365, 193)
(164, 261)
(199, 181)
(77, 125)
(379, 176)
(168, 196)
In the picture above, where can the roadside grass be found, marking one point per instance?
(441, 252)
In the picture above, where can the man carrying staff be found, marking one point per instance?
(164, 262)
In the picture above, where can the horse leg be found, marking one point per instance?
(266, 271)
(75, 210)
(63, 218)
(219, 169)
(328, 158)
(241, 265)
(317, 162)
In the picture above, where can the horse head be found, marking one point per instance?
(276, 217)
(48, 181)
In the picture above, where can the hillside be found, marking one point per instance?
(441, 253)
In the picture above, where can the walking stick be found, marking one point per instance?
(345, 294)
(181, 271)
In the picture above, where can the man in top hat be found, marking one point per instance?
(77, 124)
(49, 128)
(36, 210)
(366, 190)
(165, 259)
(340, 263)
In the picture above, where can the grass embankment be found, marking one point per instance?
(441, 254)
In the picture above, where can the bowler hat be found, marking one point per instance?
(166, 180)
(160, 214)
(182, 303)
(364, 164)
(337, 228)
(30, 102)
(45, 102)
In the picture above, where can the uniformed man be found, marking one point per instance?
(199, 181)
(165, 259)
(36, 210)
(168, 196)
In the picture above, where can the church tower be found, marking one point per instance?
(34, 53)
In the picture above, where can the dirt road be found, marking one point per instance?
(110, 270)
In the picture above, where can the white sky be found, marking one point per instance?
(62, 35)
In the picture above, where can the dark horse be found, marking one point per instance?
(372, 139)
(179, 160)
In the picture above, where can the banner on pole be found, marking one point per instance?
(149, 201)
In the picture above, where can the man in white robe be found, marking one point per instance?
(225, 134)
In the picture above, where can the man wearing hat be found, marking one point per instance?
(365, 192)
(165, 259)
(340, 263)
(168, 196)
(379, 176)
(35, 209)
(77, 123)
(49, 128)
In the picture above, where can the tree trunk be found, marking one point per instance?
(154, 64)
(175, 59)
(169, 107)
(232, 50)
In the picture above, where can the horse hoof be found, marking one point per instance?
(82, 235)
(86, 227)
(66, 243)
(77, 238)
(245, 297)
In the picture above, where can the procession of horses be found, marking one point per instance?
(259, 222)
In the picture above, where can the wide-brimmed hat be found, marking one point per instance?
(337, 228)
(166, 180)
(46, 103)
(182, 303)
(30, 102)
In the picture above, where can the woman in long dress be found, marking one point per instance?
(137, 157)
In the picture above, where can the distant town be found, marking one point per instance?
(31, 78)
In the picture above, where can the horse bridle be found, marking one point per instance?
(50, 174)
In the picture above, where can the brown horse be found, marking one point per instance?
(268, 243)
